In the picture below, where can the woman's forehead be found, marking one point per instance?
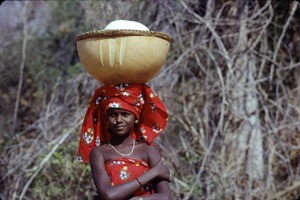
(118, 110)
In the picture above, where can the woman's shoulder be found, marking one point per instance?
(148, 148)
(145, 146)
(99, 150)
(153, 154)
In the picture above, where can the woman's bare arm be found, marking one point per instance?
(122, 191)
(162, 189)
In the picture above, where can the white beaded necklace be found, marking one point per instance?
(122, 154)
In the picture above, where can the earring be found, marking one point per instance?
(136, 121)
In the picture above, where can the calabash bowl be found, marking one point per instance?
(123, 56)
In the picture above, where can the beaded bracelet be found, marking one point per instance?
(139, 182)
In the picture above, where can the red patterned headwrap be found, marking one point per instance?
(136, 98)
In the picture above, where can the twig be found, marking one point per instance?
(288, 189)
(15, 117)
(217, 130)
(46, 159)
(214, 33)
(294, 8)
(295, 65)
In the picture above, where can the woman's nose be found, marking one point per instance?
(119, 118)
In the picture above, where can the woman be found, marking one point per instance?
(116, 138)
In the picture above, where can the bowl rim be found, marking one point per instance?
(122, 32)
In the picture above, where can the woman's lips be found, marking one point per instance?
(119, 127)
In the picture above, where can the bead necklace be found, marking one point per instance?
(122, 154)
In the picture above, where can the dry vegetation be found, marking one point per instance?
(231, 84)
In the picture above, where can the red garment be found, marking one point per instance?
(137, 98)
(122, 170)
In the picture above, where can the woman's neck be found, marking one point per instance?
(124, 140)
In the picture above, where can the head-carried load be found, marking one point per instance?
(123, 56)
(124, 52)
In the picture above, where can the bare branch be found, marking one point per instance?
(24, 44)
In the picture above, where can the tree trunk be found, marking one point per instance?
(244, 104)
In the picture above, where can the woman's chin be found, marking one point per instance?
(120, 131)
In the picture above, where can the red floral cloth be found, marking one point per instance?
(137, 98)
(122, 170)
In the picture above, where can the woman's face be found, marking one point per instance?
(120, 121)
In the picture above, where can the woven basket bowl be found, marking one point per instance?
(123, 56)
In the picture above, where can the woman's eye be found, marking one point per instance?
(111, 114)
(126, 114)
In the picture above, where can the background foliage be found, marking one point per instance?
(231, 84)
